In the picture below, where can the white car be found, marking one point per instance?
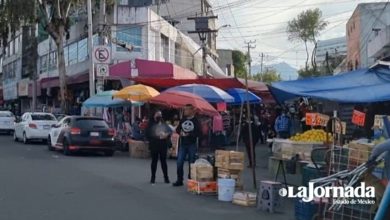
(34, 126)
(7, 121)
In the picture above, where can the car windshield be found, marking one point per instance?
(43, 117)
(90, 123)
(6, 114)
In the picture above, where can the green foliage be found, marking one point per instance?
(303, 73)
(239, 63)
(14, 14)
(268, 77)
(306, 27)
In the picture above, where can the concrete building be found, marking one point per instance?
(177, 12)
(362, 27)
(379, 45)
(334, 47)
(153, 38)
(225, 61)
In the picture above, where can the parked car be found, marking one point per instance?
(34, 126)
(7, 122)
(77, 133)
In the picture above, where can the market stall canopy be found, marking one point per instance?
(178, 99)
(209, 93)
(240, 96)
(105, 100)
(139, 93)
(359, 86)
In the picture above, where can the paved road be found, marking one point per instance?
(36, 184)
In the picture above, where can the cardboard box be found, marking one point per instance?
(358, 153)
(245, 198)
(139, 149)
(204, 188)
(202, 172)
(229, 159)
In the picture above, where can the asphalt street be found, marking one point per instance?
(36, 184)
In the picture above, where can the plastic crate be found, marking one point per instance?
(305, 210)
(310, 173)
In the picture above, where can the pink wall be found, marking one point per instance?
(353, 41)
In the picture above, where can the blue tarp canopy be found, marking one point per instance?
(359, 86)
(240, 96)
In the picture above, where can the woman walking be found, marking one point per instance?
(158, 133)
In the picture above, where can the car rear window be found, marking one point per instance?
(43, 117)
(6, 114)
(90, 123)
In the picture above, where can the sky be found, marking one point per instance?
(265, 22)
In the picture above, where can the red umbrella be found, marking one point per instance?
(178, 99)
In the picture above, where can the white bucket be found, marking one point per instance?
(226, 189)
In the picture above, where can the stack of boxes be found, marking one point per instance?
(202, 180)
(230, 165)
(359, 153)
(244, 199)
(268, 196)
(139, 149)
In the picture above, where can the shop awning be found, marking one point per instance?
(360, 86)
(55, 81)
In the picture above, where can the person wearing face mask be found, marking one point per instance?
(158, 134)
(283, 125)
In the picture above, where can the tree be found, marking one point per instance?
(268, 77)
(306, 27)
(239, 63)
(307, 73)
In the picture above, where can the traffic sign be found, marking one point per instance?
(102, 70)
(101, 54)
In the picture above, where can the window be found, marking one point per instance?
(17, 44)
(43, 64)
(165, 47)
(66, 55)
(131, 35)
(53, 60)
(73, 54)
(90, 123)
(43, 117)
(82, 50)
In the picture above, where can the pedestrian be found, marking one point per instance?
(283, 125)
(190, 131)
(246, 139)
(158, 133)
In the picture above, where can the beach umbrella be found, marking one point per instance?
(178, 99)
(139, 93)
(211, 94)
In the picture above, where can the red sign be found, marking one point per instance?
(316, 119)
(221, 107)
(358, 118)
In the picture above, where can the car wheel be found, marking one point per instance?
(109, 153)
(25, 139)
(65, 147)
(49, 145)
(15, 138)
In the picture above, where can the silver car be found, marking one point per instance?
(7, 122)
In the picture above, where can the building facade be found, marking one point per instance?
(362, 28)
(333, 47)
(225, 62)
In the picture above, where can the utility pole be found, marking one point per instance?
(102, 40)
(203, 28)
(90, 50)
(248, 111)
(262, 60)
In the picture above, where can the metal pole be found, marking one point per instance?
(239, 125)
(90, 50)
(251, 146)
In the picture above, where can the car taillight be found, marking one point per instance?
(75, 131)
(33, 126)
(111, 132)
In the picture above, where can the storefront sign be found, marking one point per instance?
(23, 88)
(358, 118)
(221, 107)
(10, 91)
(341, 127)
(378, 123)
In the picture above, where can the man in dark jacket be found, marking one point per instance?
(158, 133)
(189, 130)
